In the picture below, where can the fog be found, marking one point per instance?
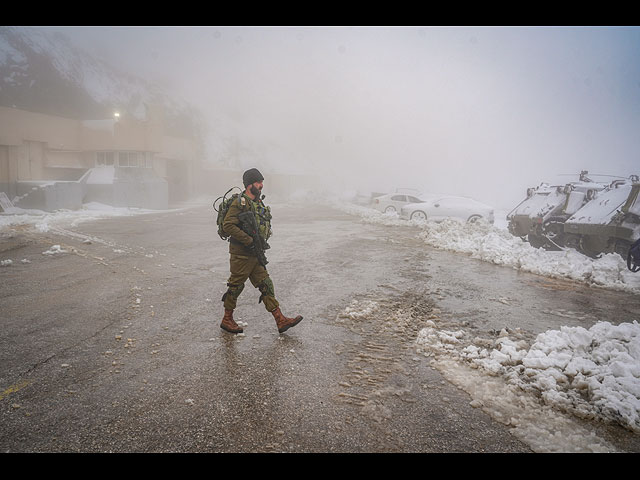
(483, 112)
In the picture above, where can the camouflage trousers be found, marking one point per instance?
(247, 267)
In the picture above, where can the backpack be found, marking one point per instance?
(222, 210)
(633, 257)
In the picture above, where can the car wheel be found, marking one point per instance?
(418, 215)
(390, 209)
(474, 218)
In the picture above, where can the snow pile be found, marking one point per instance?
(492, 244)
(55, 249)
(43, 221)
(593, 374)
(488, 243)
(374, 216)
(360, 310)
(543, 428)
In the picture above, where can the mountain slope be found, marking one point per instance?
(47, 74)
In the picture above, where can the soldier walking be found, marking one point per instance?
(244, 258)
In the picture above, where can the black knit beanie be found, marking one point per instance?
(251, 176)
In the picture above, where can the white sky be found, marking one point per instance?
(483, 111)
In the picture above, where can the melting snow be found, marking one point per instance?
(541, 389)
(494, 243)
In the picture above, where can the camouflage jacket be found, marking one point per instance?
(239, 240)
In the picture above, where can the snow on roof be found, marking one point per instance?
(601, 210)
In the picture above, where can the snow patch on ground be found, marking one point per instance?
(54, 250)
(43, 221)
(540, 426)
(542, 387)
(591, 374)
(492, 243)
(360, 309)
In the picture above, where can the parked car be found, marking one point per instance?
(449, 206)
(393, 202)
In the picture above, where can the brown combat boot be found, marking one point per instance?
(284, 323)
(229, 324)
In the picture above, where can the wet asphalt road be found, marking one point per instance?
(115, 346)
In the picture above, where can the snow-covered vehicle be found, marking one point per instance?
(541, 215)
(441, 207)
(393, 202)
(609, 222)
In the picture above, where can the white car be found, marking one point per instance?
(393, 202)
(449, 206)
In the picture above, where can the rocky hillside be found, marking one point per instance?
(45, 73)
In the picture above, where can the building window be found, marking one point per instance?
(134, 159)
(104, 158)
(125, 159)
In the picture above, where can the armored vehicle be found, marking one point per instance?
(541, 215)
(609, 222)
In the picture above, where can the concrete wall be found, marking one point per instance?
(50, 196)
(16, 126)
(131, 187)
(125, 133)
(147, 195)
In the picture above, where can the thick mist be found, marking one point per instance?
(481, 112)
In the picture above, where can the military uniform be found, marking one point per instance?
(243, 261)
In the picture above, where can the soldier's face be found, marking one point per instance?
(256, 188)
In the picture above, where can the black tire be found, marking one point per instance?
(571, 240)
(622, 248)
(592, 246)
(554, 231)
(535, 241)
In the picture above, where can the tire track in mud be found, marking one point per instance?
(378, 380)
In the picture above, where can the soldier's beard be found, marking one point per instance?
(255, 191)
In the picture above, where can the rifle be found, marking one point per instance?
(249, 225)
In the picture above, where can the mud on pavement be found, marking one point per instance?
(390, 384)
